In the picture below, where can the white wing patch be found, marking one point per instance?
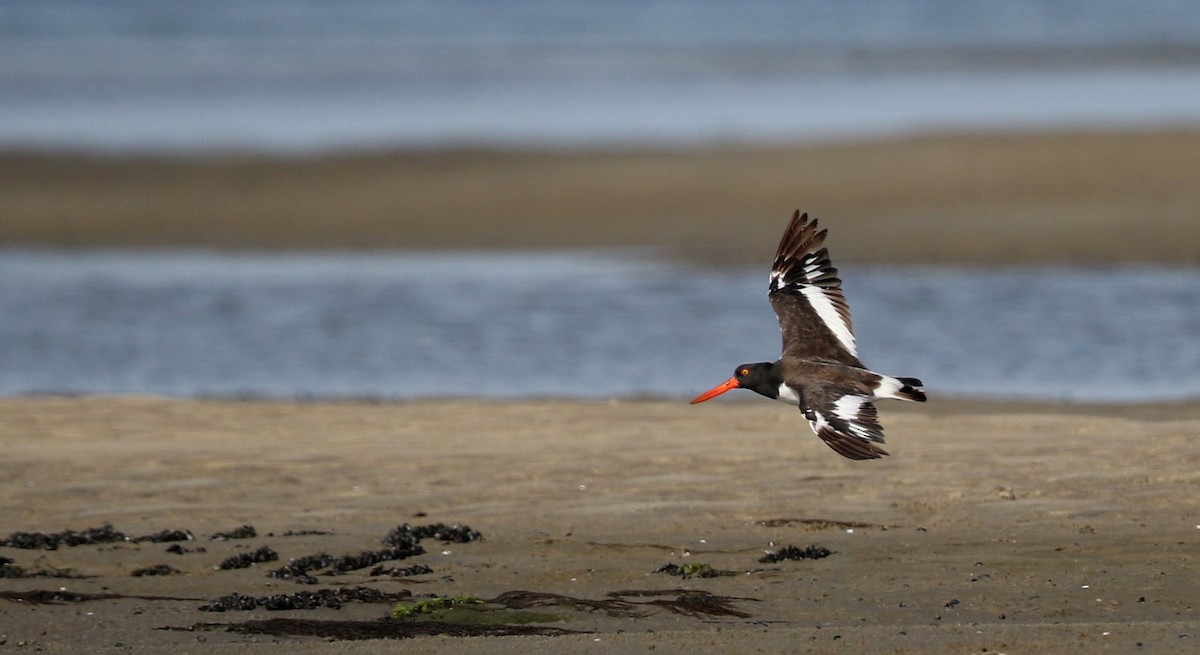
(849, 428)
(829, 314)
(812, 268)
(847, 408)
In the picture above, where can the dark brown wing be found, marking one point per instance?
(807, 297)
(847, 422)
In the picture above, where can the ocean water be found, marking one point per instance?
(569, 324)
(293, 75)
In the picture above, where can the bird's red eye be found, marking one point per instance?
(744, 371)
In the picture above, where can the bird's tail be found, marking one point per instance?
(900, 388)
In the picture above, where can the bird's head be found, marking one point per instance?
(747, 376)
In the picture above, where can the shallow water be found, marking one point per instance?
(591, 325)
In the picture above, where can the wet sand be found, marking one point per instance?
(991, 528)
(1058, 198)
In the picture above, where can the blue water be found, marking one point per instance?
(589, 325)
(297, 75)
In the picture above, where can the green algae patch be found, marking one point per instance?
(432, 605)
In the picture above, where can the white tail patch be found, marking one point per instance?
(830, 316)
(890, 387)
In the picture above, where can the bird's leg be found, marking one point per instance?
(803, 402)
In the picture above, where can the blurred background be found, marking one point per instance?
(289, 75)
(512, 198)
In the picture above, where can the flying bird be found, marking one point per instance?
(819, 370)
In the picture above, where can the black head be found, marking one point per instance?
(759, 377)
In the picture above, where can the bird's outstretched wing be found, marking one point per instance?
(807, 297)
(847, 422)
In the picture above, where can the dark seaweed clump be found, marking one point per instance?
(402, 542)
(244, 532)
(49, 597)
(44, 541)
(10, 570)
(791, 552)
(102, 535)
(157, 569)
(622, 604)
(304, 600)
(180, 550)
(820, 524)
(408, 571)
(301, 569)
(245, 560)
(407, 534)
(165, 536)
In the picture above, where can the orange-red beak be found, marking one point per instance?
(731, 383)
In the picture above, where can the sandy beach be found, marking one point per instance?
(991, 528)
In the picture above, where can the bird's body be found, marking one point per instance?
(819, 370)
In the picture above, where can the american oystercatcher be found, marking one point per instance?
(819, 370)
